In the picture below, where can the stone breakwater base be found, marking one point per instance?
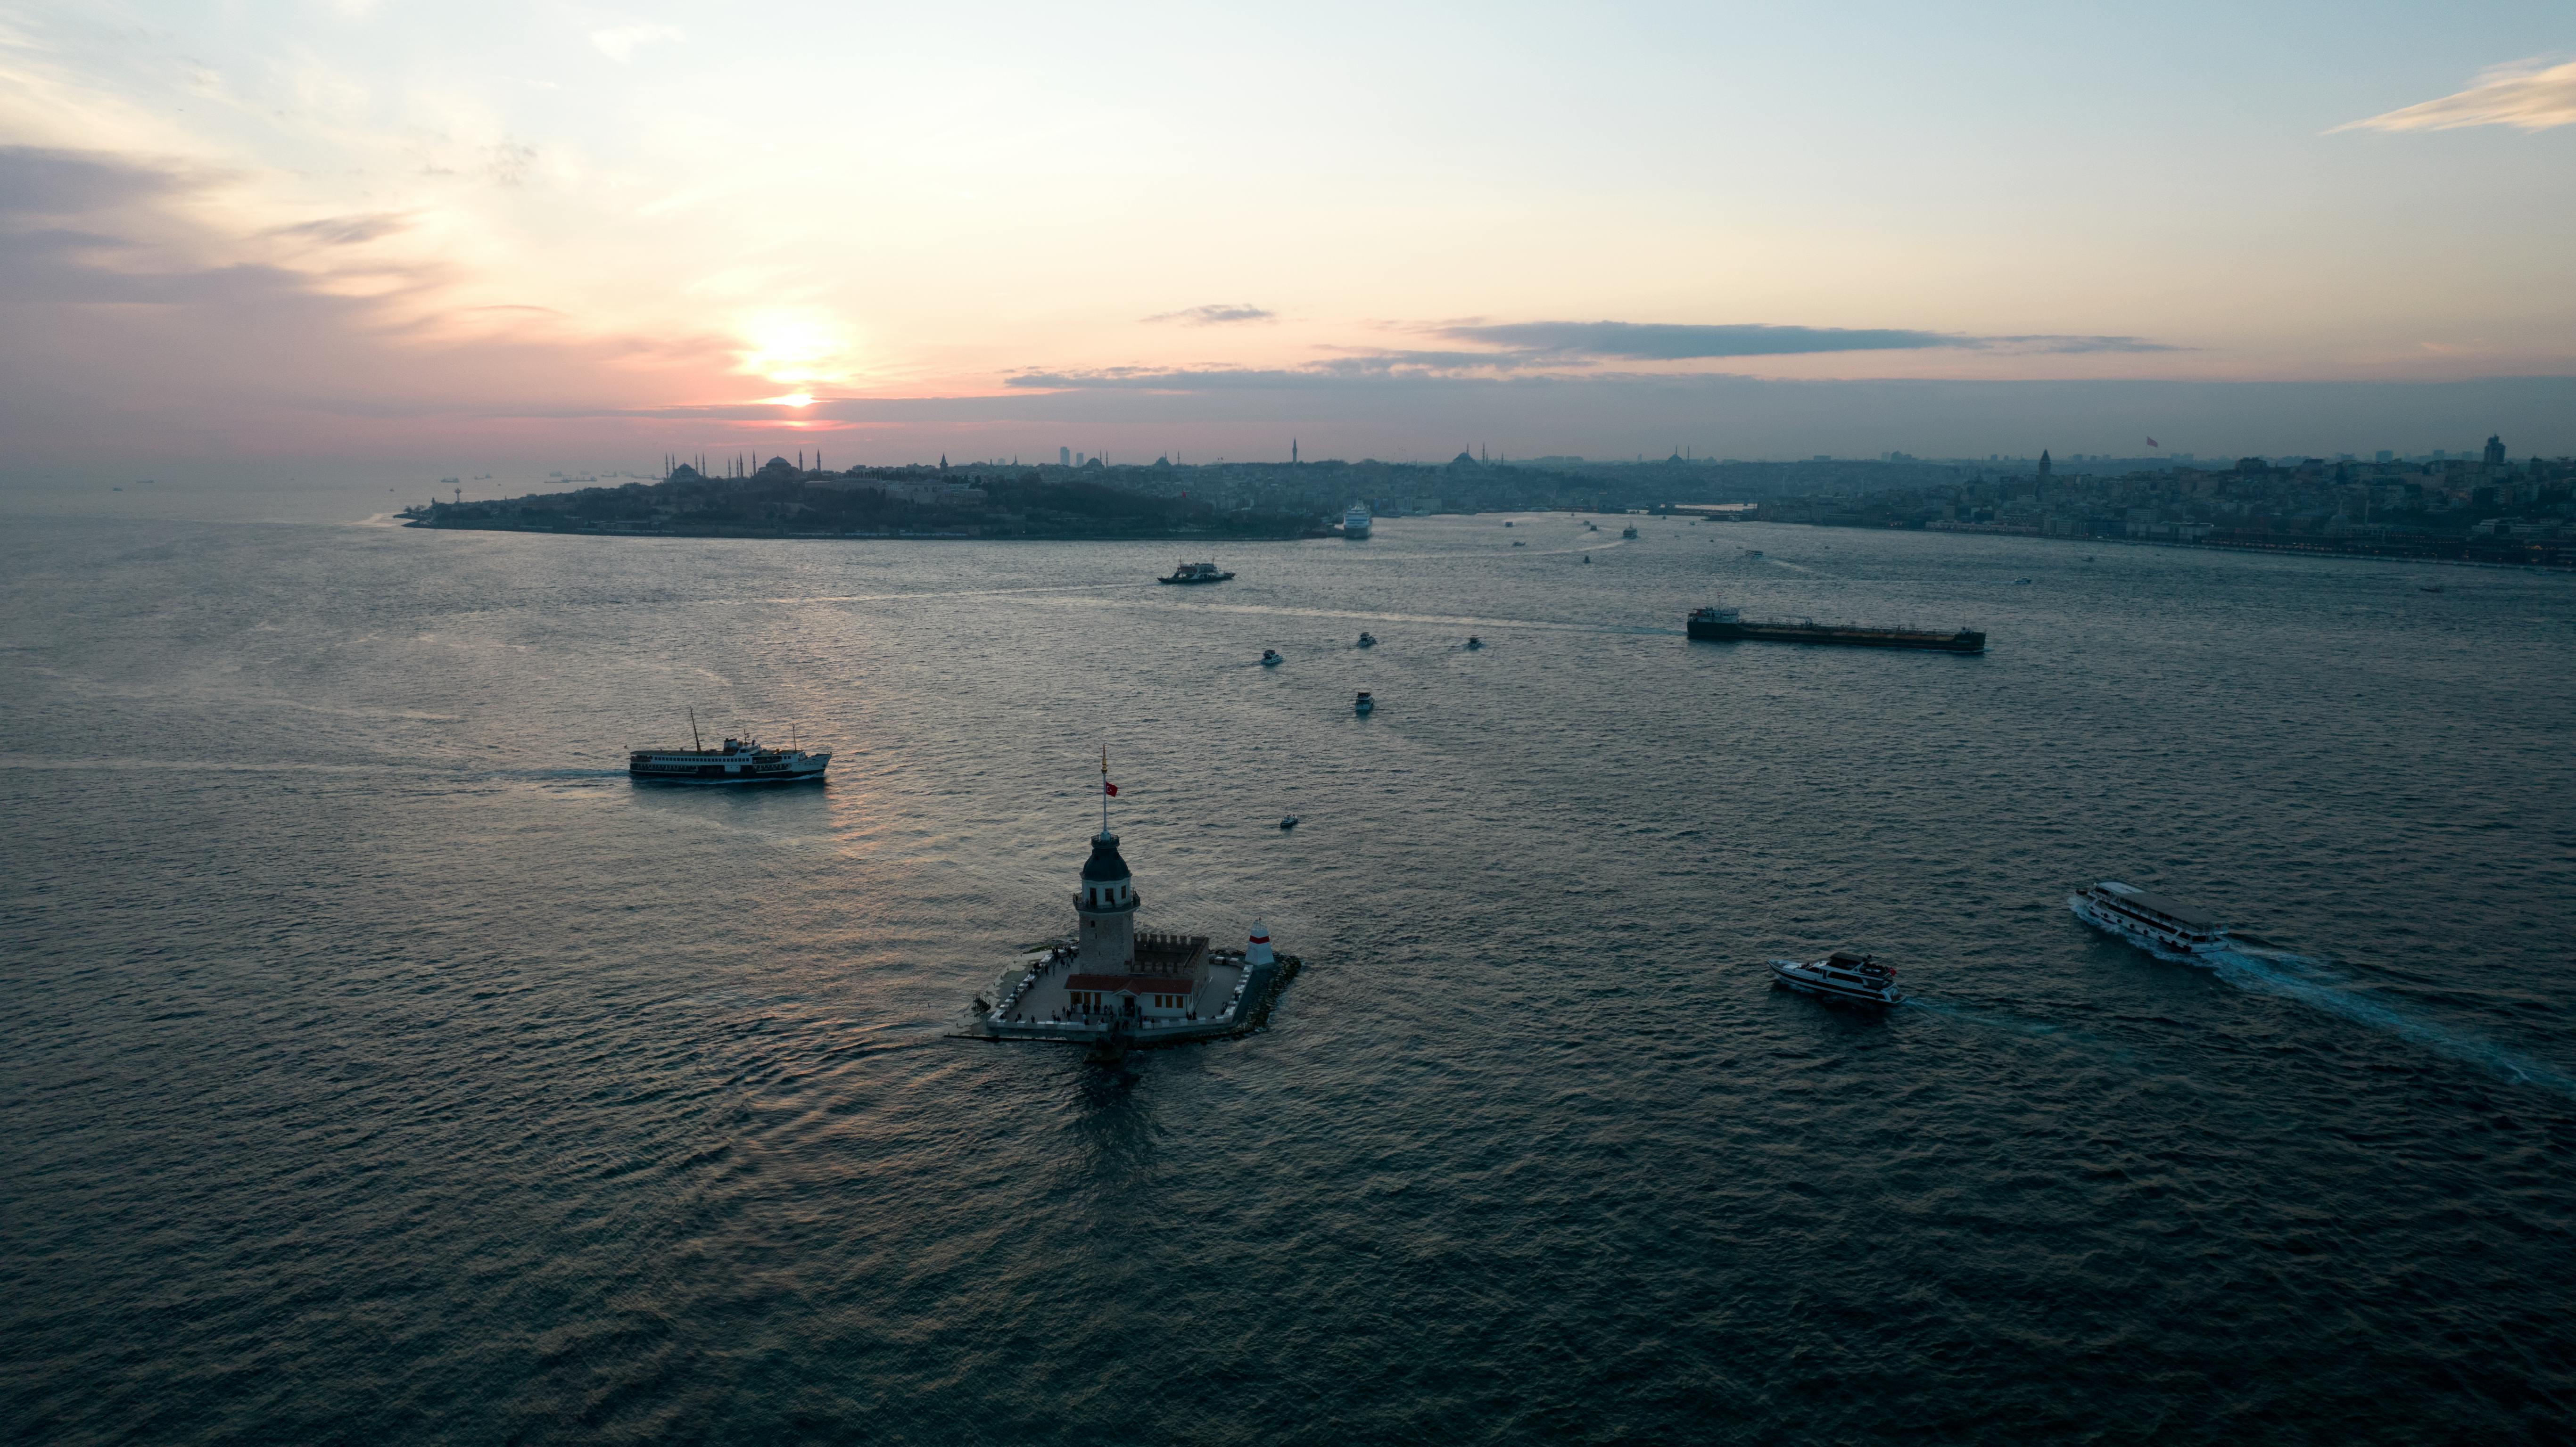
(1235, 1001)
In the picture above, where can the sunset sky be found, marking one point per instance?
(592, 235)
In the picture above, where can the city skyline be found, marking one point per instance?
(572, 238)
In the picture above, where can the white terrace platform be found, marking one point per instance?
(1036, 1004)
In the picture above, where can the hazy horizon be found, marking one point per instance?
(354, 234)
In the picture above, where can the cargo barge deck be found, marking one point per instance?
(1728, 625)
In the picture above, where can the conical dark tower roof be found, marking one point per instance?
(1105, 862)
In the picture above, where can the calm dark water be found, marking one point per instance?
(382, 1066)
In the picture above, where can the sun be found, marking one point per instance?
(795, 349)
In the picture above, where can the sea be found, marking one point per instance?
(382, 1065)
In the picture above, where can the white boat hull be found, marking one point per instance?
(1808, 980)
(2145, 934)
(720, 771)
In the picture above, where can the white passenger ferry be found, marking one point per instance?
(1841, 975)
(1356, 522)
(2150, 920)
(740, 761)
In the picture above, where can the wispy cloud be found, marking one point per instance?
(2049, 343)
(1215, 314)
(2521, 95)
(1668, 342)
(344, 230)
(620, 42)
(1676, 342)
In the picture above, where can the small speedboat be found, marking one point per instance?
(1368, 640)
(1841, 975)
(2021, 582)
(1475, 642)
(1518, 543)
(1587, 557)
(2429, 588)
(1270, 658)
(1364, 704)
(1287, 821)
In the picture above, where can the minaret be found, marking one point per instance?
(1106, 904)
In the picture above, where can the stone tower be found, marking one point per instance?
(1107, 907)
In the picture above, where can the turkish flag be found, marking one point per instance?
(1112, 788)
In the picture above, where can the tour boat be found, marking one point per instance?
(1841, 975)
(740, 761)
(1270, 658)
(1196, 573)
(2148, 920)
(1368, 640)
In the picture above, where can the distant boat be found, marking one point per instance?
(2088, 557)
(1587, 557)
(1753, 552)
(1627, 532)
(1196, 573)
(1288, 821)
(2021, 582)
(740, 761)
(1475, 642)
(1270, 658)
(1518, 543)
(1729, 625)
(2430, 588)
(1364, 705)
(1507, 525)
(1368, 640)
(1356, 522)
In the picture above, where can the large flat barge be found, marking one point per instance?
(1729, 625)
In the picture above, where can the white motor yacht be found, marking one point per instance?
(1841, 975)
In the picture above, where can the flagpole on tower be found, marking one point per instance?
(1104, 786)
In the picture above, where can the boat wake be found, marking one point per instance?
(2320, 986)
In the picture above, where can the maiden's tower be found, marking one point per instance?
(1115, 986)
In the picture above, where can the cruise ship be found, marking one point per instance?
(2148, 920)
(1355, 523)
(740, 761)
